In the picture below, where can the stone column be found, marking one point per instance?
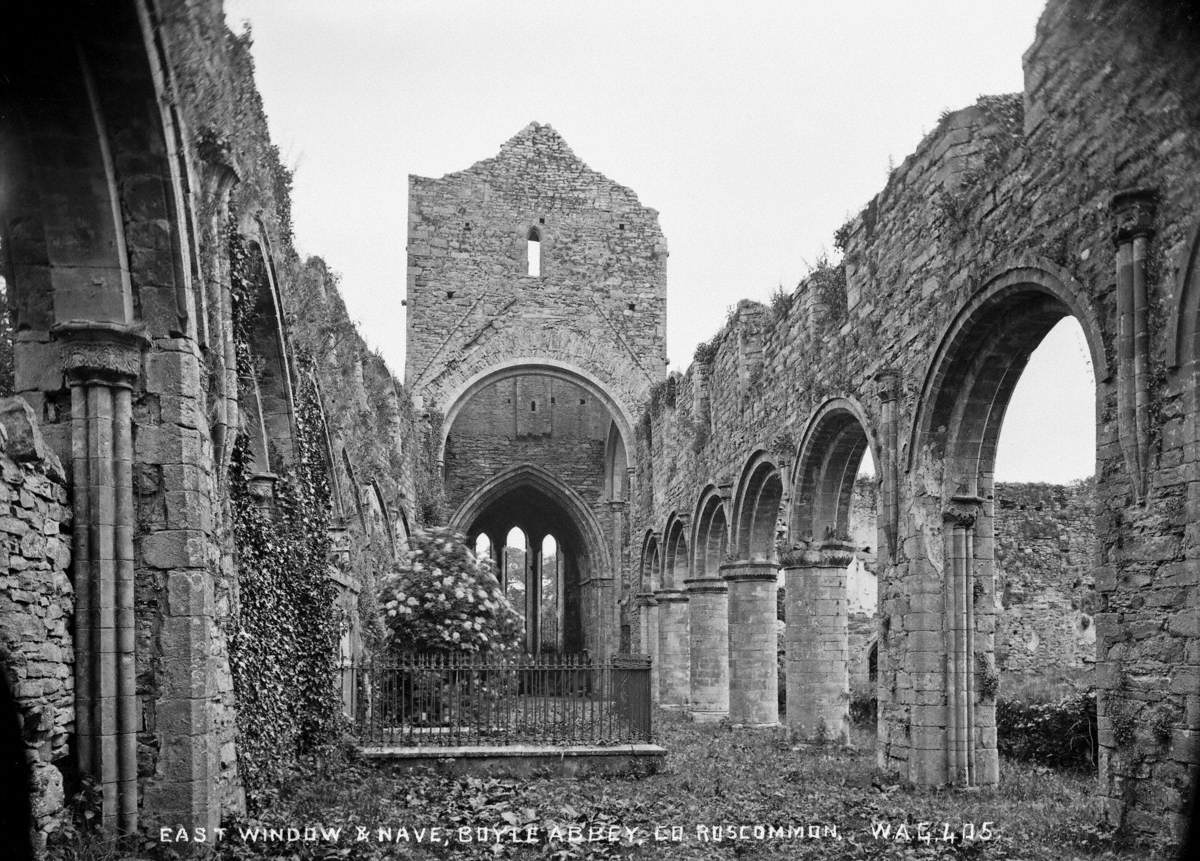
(889, 472)
(674, 663)
(818, 679)
(1133, 212)
(102, 362)
(708, 633)
(970, 744)
(533, 593)
(648, 636)
(753, 642)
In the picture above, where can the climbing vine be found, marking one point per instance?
(284, 636)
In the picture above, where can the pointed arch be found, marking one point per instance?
(981, 356)
(1184, 327)
(541, 366)
(535, 477)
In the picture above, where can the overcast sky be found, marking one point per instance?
(754, 128)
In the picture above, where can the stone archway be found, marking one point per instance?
(530, 498)
(753, 581)
(951, 461)
(816, 633)
(708, 606)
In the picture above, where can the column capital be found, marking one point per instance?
(104, 351)
(1133, 213)
(888, 380)
(750, 569)
(706, 584)
(836, 554)
(962, 511)
(646, 599)
(670, 596)
(800, 555)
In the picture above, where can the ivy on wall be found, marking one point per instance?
(285, 630)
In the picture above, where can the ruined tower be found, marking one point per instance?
(536, 325)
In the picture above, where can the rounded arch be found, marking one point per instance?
(756, 507)
(978, 362)
(535, 477)
(564, 371)
(827, 463)
(651, 559)
(710, 541)
(675, 560)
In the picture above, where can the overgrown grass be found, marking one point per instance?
(713, 776)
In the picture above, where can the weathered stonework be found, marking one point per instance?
(531, 273)
(1013, 213)
(36, 603)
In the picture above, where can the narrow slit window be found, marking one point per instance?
(533, 253)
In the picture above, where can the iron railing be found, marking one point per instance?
(464, 700)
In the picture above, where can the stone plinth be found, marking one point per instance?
(708, 628)
(674, 664)
(818, 680)
(753, 646)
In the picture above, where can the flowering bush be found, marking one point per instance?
(441, 598)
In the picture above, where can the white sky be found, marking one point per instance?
(755, 128)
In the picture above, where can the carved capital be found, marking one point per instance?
(104, 351)
(888, 382)
(799, 555)
(836, 554)
(783, 447)
(646, 599)
(962, 511)
(1133, 213)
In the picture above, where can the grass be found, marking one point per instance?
(713, 777)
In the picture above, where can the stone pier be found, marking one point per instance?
(708, 618)
(674, 665)
(753, 647)
(818, 680)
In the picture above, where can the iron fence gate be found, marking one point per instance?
(465, 699)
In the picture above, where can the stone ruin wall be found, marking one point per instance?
(36, 602)
(1012, 181)
(599, 304)
(190, 156)
(1045, 537)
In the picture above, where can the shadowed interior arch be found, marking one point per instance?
(712, 534)
(649, 572)
(829, 460)
(675, 569)
(760, 493)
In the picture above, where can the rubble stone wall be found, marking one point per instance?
(36, 603)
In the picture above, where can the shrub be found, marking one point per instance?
(442, 599)
(1059, 734)
(864, 708)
